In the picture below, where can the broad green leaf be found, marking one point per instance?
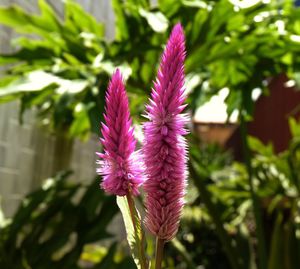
(35, 52)
(81, 124)
(294, 127)
(39, 80)
(135, 234)
(46, 25)
(80, 20)
(16, 17)
(199, 21)
(256, 145)
(108, 261)
(34, 45)
(48, 16)
(233, 101)
(156, 20)
(5, 80)
(121, 26)
(221, 13)
(194, 3)
(71, 59)
(169, 7)
(23, 22)
(236, 23)
(30, 83)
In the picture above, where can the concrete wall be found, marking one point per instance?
(27, 153)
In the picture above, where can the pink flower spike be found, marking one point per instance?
(119, 164)
(165, 148)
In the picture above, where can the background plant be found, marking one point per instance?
(56, 225)
(228, 46)
(64, 68)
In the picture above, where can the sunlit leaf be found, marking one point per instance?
(157, 21)
(135, 236)
(81, 124)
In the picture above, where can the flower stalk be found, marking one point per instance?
(159, 252)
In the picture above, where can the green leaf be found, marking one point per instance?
(169, 7)
(39, 80)
(135, 235)
(48, 16)
(257, 146)
(233, 101)
(108, 260)
(220, 15)
(194, 3)
(236, 23)
(81, 124)
(156, 20)
(30, 83)
(294, 127)
(23, 22)
(121, 26)
(199, 20)
(277, 245)
(16, 17)
(79, 19)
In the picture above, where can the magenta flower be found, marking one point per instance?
(119, 165)
(165, 148)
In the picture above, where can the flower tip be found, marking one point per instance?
(117, 74)
(120, 171)
(177, 38)
(177, 30)
(117, 71)
(178, 27)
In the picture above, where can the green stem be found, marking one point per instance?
(293, 169)
(213, 212)
(159, 252)
(262, 253)
(133, 213)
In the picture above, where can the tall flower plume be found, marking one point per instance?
(119, 164)
(164, 146)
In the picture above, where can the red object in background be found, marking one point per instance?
(270, 121)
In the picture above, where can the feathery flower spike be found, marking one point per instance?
(165, 148)
(119, 165)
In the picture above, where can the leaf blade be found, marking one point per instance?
(135, 235)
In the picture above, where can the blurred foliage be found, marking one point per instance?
(63, 66)
(59, 224)
(276, 180)
(56, 224)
